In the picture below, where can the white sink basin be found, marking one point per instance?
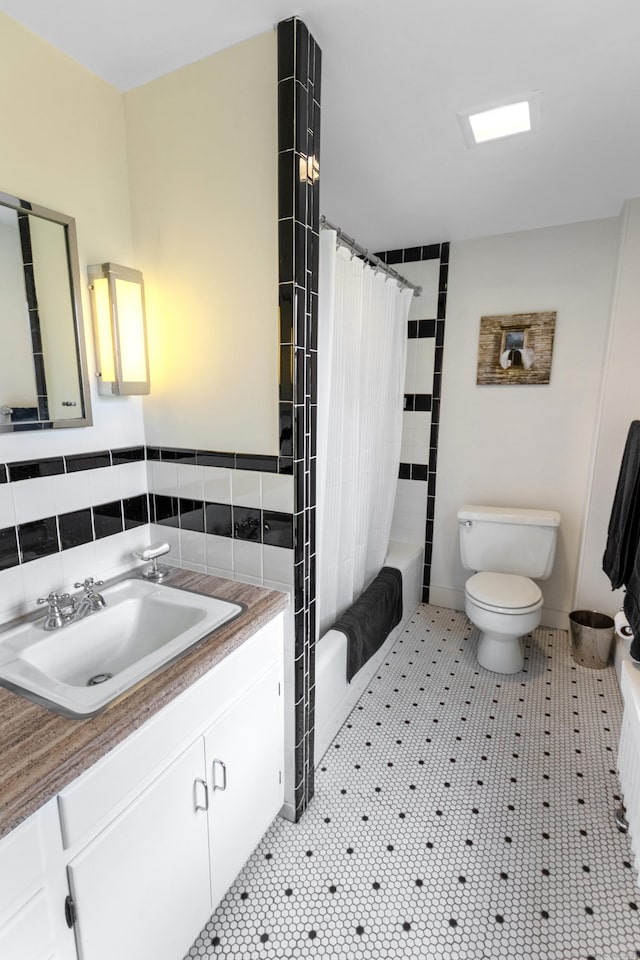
(79, 669)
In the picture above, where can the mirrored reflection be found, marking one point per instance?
(42, 373)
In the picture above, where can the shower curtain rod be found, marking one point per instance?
(371, 258)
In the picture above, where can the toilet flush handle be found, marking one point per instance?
(465, 523)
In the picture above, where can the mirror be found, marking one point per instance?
(43, 381)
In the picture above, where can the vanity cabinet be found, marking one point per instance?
(150, 838)
(142, 887)
(244, 766)
(32, 887)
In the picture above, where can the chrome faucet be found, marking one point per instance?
(64, 609)
(90, 602)
(55, 616)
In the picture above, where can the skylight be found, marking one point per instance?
(498, 120)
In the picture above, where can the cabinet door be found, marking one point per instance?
(244, 751)
(141, 888)
(27, 935)
(33, 885)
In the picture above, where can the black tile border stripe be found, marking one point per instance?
(70, 463)
(18, 470)
(429, 251)
(216, 458)
(413, 471)
(417, 402)
(30, 469)
(422, 329)
(299, 77)
(223, 519)
(35, 539)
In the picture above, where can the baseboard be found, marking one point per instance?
(288, 812)
(555, 619)
(447, 597)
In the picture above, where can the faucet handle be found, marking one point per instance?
(88, 584)
(54, 618)
(54, 599)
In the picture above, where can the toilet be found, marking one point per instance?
(507, 548)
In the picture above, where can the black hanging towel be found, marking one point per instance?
(370, 620)
(621, 560)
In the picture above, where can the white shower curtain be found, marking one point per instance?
(362, 348)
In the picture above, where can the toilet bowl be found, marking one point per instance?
(505, 546)
(504, 607)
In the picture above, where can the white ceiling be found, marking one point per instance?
(395, 170)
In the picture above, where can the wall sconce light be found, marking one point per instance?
(308, 168)
(117, 300)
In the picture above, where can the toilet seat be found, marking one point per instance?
(504, 592)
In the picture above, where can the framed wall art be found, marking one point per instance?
(516, 348)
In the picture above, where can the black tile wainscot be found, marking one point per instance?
(41, 537)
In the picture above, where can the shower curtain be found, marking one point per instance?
(362, 348)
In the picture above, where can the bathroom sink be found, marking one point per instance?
(81, 668)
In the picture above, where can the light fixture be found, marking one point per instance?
(505, 118)
(117, 300)
(308, 168)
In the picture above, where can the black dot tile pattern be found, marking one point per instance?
(458, 815)
(299, 80)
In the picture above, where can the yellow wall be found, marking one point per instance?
(190, 160)
(203, 167)
(63, 146)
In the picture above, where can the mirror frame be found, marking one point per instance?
(69, 224)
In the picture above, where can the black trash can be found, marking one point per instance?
(591, 637)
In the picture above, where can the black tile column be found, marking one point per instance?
(299, 71)
(435, 418)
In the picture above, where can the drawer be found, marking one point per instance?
(92, 800)
(27, 935)
(21, 864)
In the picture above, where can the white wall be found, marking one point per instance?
(523, 445)
(620, 404)
(63, 146)
(203, 161)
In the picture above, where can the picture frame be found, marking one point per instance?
(516, 348)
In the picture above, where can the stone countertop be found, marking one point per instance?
(42, 752)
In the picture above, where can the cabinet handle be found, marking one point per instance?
(198, 805)
(69, 911)
(224, 775)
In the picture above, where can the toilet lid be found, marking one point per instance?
(503, 590)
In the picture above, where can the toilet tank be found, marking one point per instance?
(508, 540)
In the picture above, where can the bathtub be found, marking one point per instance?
(628, 672)
(335, 698)
(629, 753)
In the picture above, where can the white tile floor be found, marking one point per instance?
(458, 815)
